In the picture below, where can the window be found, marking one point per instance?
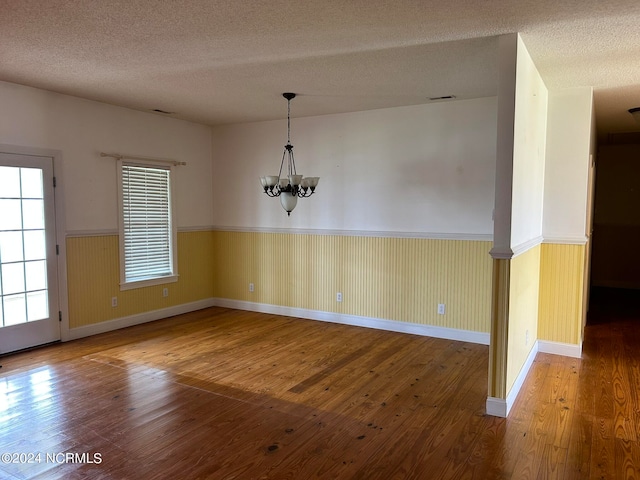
(147, 229)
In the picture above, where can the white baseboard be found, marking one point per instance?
(557, 348)
(129, 321)
(368, 322)
(500, 407)
(497, 407)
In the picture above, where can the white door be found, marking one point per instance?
(28, 264)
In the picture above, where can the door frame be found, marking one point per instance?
(586, 287)
(59, 227)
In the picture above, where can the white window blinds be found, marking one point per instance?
(147, 230)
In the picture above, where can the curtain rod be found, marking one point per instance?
(117, 156)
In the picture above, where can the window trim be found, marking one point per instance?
(161, 280)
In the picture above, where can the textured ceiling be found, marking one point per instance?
(228, 61)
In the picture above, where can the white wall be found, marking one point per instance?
(530, 130)
(424, 169)
(569, 133)
(507, 58)
(81, 129)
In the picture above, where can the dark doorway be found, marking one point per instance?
(615, 256)
(608, 305)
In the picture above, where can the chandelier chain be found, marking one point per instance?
(288, 121)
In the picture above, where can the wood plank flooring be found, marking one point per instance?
(227, 394)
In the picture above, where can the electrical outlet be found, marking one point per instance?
(251, 287)
(441, 309)
(165, 292)
(339, 297)
(114, 301)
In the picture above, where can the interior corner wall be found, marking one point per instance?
(570, 147)
(400, 222)
(80, 129)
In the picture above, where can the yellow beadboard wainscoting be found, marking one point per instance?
(400, 279)
(524, 287)
(93, 278)
(561, 293)
(501, 280)
(537, 297)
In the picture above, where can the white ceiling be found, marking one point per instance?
(228, 61)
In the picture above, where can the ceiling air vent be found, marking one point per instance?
(445, 97)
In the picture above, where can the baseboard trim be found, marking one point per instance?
(500, 407)
(497, 407)
(123, 322)
(368, 322)
(354, 320)
(558, 348)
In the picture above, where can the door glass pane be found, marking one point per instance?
(31, 182)
(23, 256)
(11, 213)
(11, 247)
(9, 182)
(36, 273)
(34, 247)
(15, 309)
(13, 278)
(33, 214)
(37, 305)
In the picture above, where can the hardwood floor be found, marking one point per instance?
(226, 394)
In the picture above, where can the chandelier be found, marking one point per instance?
(290, 186)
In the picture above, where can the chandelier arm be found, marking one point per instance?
(292, 161)
(284, 152)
